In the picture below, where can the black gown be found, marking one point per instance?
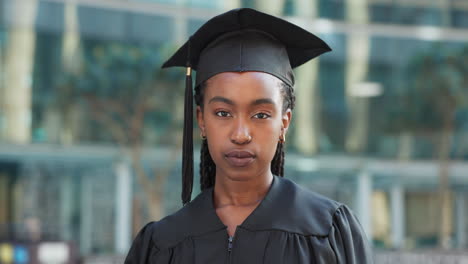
(290, 225)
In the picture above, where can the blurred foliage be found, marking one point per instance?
(437, 85)
(120, 78)
(120, 71)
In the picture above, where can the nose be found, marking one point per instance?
(241, 133)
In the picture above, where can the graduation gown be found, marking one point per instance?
(290, 225)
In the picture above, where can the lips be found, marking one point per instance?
(240, 158)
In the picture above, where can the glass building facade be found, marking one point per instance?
(90, 126)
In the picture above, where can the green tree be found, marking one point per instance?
(131, 99)
(437, 89)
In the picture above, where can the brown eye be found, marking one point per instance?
(223, 114)
(262, 116)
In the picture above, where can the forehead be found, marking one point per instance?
(244, 86)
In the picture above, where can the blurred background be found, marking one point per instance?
(91, 127)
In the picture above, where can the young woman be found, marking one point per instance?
(247, 212)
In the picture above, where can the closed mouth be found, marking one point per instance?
(241, 154)
(240, 158)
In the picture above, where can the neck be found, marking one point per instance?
(229, 192)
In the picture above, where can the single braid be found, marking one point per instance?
(207, 167)
(277, 164)
(289, 102)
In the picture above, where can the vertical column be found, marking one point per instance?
(180, 28)
(86, 215)
(19, 63)
(72, 63)
(308, 108)
(268, 7)
(363, 201)
(123, 207)
(398, 215)
(180, 35)
(180, 25)
(66, 208)
(357, 64)
(461, 230)
(307, 92)
(230, 4)
(445, 9)
(2, 92)
(4, 201)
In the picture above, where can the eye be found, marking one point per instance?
(262, 116)
(223, 114)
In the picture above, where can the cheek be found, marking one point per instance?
(213, 127)
(268, 142)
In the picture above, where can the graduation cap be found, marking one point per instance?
(238, 41)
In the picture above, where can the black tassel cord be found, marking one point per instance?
(187, 144)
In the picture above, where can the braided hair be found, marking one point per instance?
(207, 165)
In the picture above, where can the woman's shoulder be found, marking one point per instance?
(192, 219)
(301, 196)
(313, 213)
(321, 216)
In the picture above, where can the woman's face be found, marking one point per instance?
(243, 121)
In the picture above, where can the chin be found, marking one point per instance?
(240, 174)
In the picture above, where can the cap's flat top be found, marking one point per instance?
(300, 44)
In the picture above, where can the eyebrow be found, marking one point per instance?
(263, 101)
(230, 102)
(221, 99)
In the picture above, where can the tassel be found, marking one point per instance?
(187, 144)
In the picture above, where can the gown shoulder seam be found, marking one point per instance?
(335, 214)
(152, 241)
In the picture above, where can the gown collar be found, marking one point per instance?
(286, 207)
(261, 216)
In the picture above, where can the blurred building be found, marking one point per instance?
(90, 127)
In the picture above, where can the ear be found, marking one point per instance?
(286, 120)
(200, 120)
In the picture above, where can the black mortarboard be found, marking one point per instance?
(237, 41)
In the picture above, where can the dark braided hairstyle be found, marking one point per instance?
(207, 165)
